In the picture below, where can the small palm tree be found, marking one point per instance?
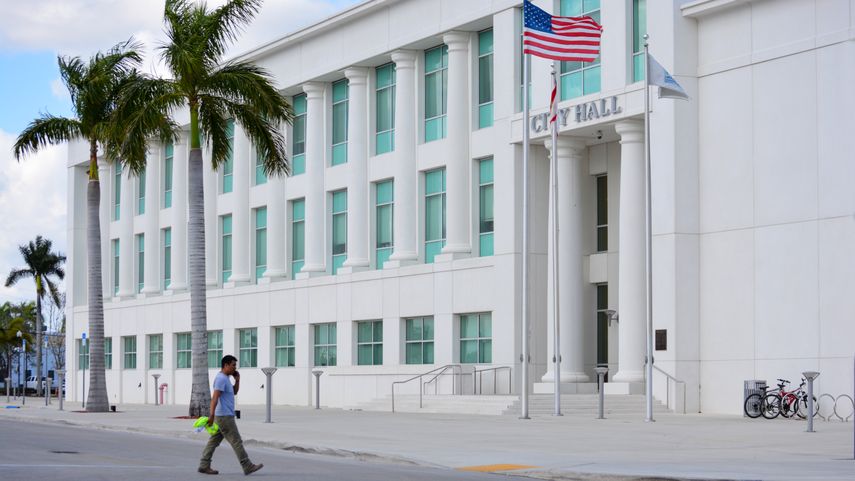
(95, 88)
(42, 264)
(214, 91)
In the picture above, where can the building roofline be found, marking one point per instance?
(700, 8)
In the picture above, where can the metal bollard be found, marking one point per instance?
(317, 374)
(7, 389)
(47, 391)
(810, 376)
(268, 371)
(155, 376)
(601, 374)
(60, 394)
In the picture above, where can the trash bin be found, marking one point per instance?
(753, 386)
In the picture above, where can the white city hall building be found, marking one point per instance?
(395, 247)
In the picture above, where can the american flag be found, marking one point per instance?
(560, 38)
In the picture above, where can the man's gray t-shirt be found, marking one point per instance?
(226, 403)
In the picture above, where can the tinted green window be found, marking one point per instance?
(419, 340)
(108, 352)
(485, 78)
(183, 350)
(384, 210)
(227, 247)
(298, 235)
(140, 262)
(476, 338)
(369, 343)
(141, 194)
(325, 344)
(129, 344)
(434, 213)
(167, 257)
(167, 175)
(260, 176)
(117, 191)
(248, 348)
(485, 207)
(436, 92)
(155, 351)
(115, 266)
(339, 229)
(339, 121)
(298, 136)
(215, 349)
(639, 29)
(229, 164)
(260, 242)
(284, 346)
(385, 126)
(580, 78)
(82, 354)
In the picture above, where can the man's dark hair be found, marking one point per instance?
(228, 358)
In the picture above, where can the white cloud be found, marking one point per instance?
(32, 202)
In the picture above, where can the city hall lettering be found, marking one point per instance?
(581, 113)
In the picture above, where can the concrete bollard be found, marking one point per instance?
(601, 374)
(47, 391)
(268, 371)
(810, 376)
(317, 374)
(155, 376)
(61, 394)
(8, 381)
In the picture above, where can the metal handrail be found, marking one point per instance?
(419, 377)
(668, 388)
(495, 370)
(440, 373)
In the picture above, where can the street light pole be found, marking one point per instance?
(20, 362)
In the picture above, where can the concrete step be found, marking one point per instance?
(446, 404)
(586, 404)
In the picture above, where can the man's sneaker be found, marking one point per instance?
(208, 470)
(253, 468)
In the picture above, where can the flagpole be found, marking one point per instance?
(524, 357)
(648, 238)
(556, 318)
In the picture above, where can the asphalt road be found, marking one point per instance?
(31, 451)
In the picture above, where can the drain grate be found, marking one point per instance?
(65, 452)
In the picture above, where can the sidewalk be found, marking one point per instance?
(570, 447)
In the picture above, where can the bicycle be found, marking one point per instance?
(782, 402)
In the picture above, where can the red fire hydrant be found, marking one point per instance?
(163, 389)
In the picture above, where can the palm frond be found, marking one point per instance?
(250, 84)
(16, 275)
(45, 130)
(72, 71)
(212, 124)
(225, 23)
(54, 292)
(264, 134)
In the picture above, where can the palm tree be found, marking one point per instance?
(94, 89)
(214, 91)
(41, 264)
(14, 318)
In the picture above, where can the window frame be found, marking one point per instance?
(298, 148)
(227, 180)
(602, 207)
(390, 90)
(328, 347)
(247, 347)
(216, 350)
(339, 149)
(168, 164)
(260, 241)
(441, 118)
(372, 344)
(298, 224)
(166, 256)
(426, 345)
(486, 237)
(479, 340)
(485, 108)
(226, 240)
(286, 349)
(382, 253)
(82, 354)
(338, 212)
(155, 357)
(129, 357)
(140, 261)
(565, 71)
(141, 179)
(183, 357)
(429, 244)
(116, 264)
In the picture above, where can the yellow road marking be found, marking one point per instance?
(489, 468)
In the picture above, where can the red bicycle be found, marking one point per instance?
(783, 402)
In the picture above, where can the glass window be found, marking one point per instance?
(419, 340)
(229, 164)
(325, 344)
(129, 344)
(384, 201)
(580, 78)
(602, 214)
(339, 122)
(108, 352)
(260, 242)
(485, 78)
(183, 350)
(226, 223)
(476, 338)
(117, 190)
(140, 262)
(215, 349)
(284, 346)
(434, 213)
(385, 140)
(141, 193)
(369, 343)
(115, 266)
(298, 235)
(339, 229)
(82, 354)
(298, 134)
(155, 351)
(248, 348)
(522, 67)
(167, 175)
(485, 207)
(260, 176)
(167, 257)
(639, 29)
(436, 92)
(602, 324)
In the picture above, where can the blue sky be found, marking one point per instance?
(32, 34)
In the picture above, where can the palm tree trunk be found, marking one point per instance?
(38, 343)
(200, 395)
(96, 401)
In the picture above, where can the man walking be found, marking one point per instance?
(223, 407)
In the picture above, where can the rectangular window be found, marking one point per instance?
(434, 213)
(229, 164)
(580, 78)
(167, 175)
(155, 351)
(108, 352)
(140, 262)
(260, 176)
(485, 207)
(339, 229)
(298, 135)
(226, 224)
(248, 347)
(419, 340)
(115, 266)
(167, 257)
(436, 92)
(141, 193)
(602, 324)
(298, 235)
(639, 29)
(260, 242)
(476, 338)
(385, 139)
(325, 344)
(602, 213)
(339, 122)
(384, 201)
(82, 354)
(485, 78)
(284, 346)
(215, 349)
(522, 67)
(183, 350)
(369, 343)
(129, 348)
(117, 190)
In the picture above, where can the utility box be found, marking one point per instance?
(753, 386)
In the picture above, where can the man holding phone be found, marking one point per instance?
(223, 408)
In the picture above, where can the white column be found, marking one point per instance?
(632, 307)
(276, 215)
(240, 214)
(458, 234)
(127, 249)
(180, 154)
(357, 157)
(315, 245)
(105, 180)
(573, 311)
(152, 216)
(406, 175)
(211, 186)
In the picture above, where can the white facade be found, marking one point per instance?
(752, 210)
